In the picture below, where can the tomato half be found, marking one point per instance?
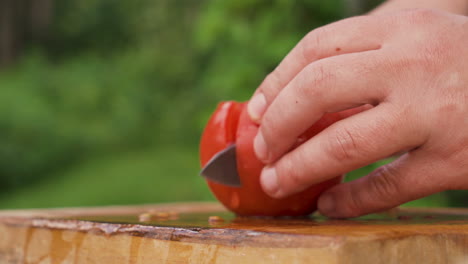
(229, 124)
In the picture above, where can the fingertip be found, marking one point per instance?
(260, 147)
(269, 182)
(256, 107)
(336, 203)
(326, 204)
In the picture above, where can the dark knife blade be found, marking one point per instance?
(222, 168)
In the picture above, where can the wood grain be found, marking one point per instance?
(115, 235)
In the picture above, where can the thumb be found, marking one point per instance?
(410, 177)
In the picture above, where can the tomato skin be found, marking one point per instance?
(230, 124)
(219, 133)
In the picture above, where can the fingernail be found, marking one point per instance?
(256, 106)
(326, 205)
(260, 147)
(269, 181)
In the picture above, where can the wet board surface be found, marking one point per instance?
(184, 233)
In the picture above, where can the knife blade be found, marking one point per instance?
(222, 168)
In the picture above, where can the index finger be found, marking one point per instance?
(350, 35)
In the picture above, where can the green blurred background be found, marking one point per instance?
(103, 102)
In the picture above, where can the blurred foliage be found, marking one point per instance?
(112, 77)
(241, 41)
(109, 107)
(159, 175)
(58, 108)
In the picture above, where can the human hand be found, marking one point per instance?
(412, 66)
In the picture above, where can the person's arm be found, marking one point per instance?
(453, 6)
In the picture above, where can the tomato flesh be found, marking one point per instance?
(230, 124)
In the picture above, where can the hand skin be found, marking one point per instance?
(412, 67)
(459, 7)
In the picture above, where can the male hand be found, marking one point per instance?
(412, 67)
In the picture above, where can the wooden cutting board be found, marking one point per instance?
(206, 233)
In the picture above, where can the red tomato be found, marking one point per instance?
(229, 124)
(221, 130)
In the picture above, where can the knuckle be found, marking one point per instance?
(437, 50)
(458, 158)
(384, 183)
(268, 126)
(421, 15)
(415, 17)
(313, 82)
(310, 45)
(453, 157)
(289, 175)
(381, 192)
(271, 85)
(343, 145)
(320, 75)
(274, 132)
(354, 205)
